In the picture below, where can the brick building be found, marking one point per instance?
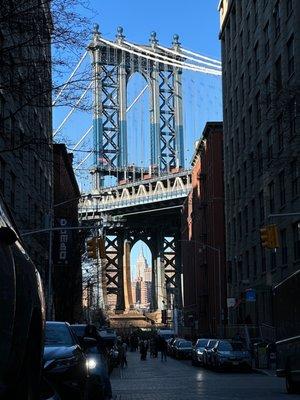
(203, 238)
(67, 276)
(261, 98)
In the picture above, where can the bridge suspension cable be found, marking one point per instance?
(172, 60)
(84, 160)
(176, 53)
(155, 57)
(200, 56)
(72, 110)
(83, 137)
(69, 79)
(137, 98)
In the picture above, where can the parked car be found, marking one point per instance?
(22, 315)
(230, 354)
(169, 346)
(207, 352)
(197, 351)
(286, 302)
(183, 349)
(64, 361)
(97, 360)
(173, 346)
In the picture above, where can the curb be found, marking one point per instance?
(264, 372)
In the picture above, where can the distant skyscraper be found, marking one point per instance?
(141, 285)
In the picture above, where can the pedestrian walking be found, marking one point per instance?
(143, 349)
(163, 349)
(123, 355)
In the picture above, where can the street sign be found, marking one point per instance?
(250, 295)
(231, 302)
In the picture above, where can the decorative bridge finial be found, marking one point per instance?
(153, 39)
(120, 37)
(176, 44)
(96, 29)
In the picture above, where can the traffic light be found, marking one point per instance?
(101, 247)
(91, 248)
(269, 236)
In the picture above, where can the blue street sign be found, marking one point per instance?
(250, 295)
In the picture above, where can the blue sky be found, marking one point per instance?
(197, 23)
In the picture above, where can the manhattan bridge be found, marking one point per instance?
(143, 203)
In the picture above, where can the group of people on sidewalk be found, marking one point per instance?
(155, 345)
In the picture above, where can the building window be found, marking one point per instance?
(248, 28)
(253, 212)
(289, 7)
(292, 115)
(232, 151)
(271, 197)
(261, 206)
(270, 145)
(267, 40)
(273, 260)
(250, 122)
(2, 176)
(240, 224)
(282, 188)
(234, 229)
(249, 72)
(246, 219)
(252, 166)
(237, 135)
(296, 235)
(255, 13)
(2, 103)
(284, 250)
(276, 16)
(263, 260)
(247, 265)
(256, 57)
(244, 131)
(240, 271)
(268, 91)
(295, 178)
(280, 132)
(12, 189)
(239, 183)
(260, 157)
(278, 74)
(254, 259)
(233, 189)
(290, 51)
(242, 88)
(245, 175)
(257, 108)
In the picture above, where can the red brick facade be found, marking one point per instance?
(202, 235)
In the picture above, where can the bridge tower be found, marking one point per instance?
(148, 207)
(113, 65)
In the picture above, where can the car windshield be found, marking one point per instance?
(185, 344)
(58, 335)
(79, 330)
(211, 344)
(201, 343)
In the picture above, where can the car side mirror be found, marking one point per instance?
(89, 342)
(8, 236)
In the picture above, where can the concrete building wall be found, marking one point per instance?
(261, 96)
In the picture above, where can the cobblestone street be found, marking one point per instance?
(178, 380)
